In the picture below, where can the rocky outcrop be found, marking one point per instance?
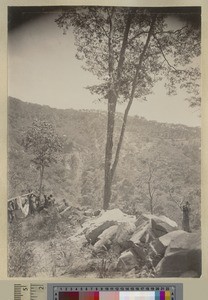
(151, 246)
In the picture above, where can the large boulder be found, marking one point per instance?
(182, 256)
(161, 224)
(71, 211)
(93, 233)
(143, 234)
(189, 274)
(126, 261)
(89, 212)
(152, 227)
(139, 251)
(105, 238)
(167, 238)
(66, 212)
(158, 246)
(124, 232)
(96, 225)
(141, 219)
(97, 212)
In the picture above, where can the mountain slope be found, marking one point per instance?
(172, 151)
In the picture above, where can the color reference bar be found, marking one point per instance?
(123, 295)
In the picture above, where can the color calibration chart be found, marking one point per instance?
(115, 292)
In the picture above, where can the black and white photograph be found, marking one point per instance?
(104, 142)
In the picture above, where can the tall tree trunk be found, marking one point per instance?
(41, 180)
(109, 151)
(112, 100)
(134, 85)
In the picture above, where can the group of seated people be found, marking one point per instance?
(37, 204)
(29, 204)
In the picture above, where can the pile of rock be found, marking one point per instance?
(152, 242)
(76, 215)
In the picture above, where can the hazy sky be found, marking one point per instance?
(42, 69)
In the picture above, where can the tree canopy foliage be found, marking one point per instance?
(119, 45)
(43, 143)
(130, 50)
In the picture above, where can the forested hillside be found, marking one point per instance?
(159, 166)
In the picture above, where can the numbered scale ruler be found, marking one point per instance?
(66, 291)
(115, 292)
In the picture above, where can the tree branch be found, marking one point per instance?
(163, 54)
(153, 191)
(136, 35)
(124, 46)
(171, 31)
(149, 190)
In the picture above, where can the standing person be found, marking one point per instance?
(46, 201)
(186, 214)
(37, 202)
(11, 209)
(51, 200)
(31, 205)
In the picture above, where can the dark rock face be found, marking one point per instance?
(182, 256)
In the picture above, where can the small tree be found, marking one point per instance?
(150, 183)
(43, 143)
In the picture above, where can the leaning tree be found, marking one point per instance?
(43, 143)
(130, 50)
